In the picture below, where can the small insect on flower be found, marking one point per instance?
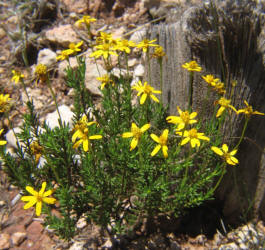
(136, 133)
(17, 76)
(224, 103)
(5, 103)
(248, 110)
(38, 198)
(192, 66)
(223, 152)
(162, 143)
(183, 120)
(193, 137)
(2, 143)
(146, 91)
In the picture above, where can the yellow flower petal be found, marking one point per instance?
(143, 98)
(95, 137)
(77, 144)
(43, 186)
(217, 150)
(185, 141)
(235, 160)
(38, 208)
(195, 143)
(31, 203)
(134, 143)
(233, 152)
(127, 134)
(225, 148)
(156, 149)
(85, 145)
(145, 127)
(164, 150)
(31, 190)
(155, 138)
(49, 200)
(220, 111)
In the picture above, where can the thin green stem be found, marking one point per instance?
(221, 177)
(24, 87)
(55, 101)
(243, 132)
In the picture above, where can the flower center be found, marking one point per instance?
(163, 140)
(224, 102)
(136, 132)
(185, 116)
(148, 89)
(193, 65)
(193, 133)
(39, 198)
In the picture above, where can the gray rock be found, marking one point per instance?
(139, 70)
(11, 137)
(18, 237)
(46, 57)
(92, 72)
(78, 245)
(138, 35)
(4, 241)
(62, 35)
(66, 115)
(229, 246)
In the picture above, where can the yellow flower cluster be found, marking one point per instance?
(73, 49)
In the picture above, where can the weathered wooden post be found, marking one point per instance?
(228, 40)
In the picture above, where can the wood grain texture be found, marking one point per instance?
(229, 42)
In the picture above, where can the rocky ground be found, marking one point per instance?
(20, 229)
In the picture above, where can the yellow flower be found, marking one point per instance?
(74, 48)
(146, 90)
(42, 73)
(104, 50)
(105, 79)
(228, 157)
(136, 133)
(63, 55)
(36, 150)
(38, 198)
(5, 103)
(17, 76)
(183, 120)
(248, 110)
(2, 143)
(162, 143)
(218, 87)
(159, 52)
(104, 38)
(193, 137)
(192, 66)
(125, 45)
(82, 133)
(224, 103)
(210, 79)
(145, 44)
(86, 20)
